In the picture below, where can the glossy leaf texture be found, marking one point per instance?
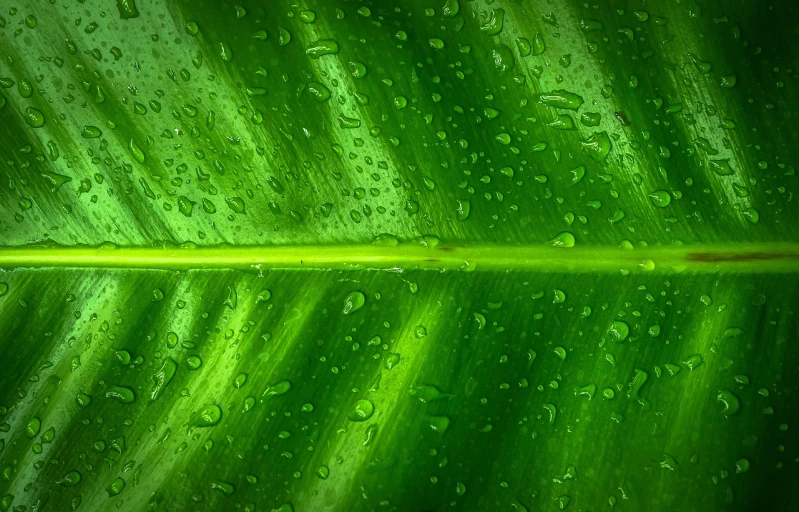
(347, 134)
(421, 391)
(509, 122)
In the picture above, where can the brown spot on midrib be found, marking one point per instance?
(711, 257)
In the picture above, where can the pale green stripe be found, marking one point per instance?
(744, 258)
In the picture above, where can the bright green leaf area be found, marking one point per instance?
(410, 255)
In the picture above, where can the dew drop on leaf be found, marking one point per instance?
(731, 403)
(224, 487)
(116, 487)
(83, 400)
(353, 302)
(618, 330)
(564, 239)
(32, 428)
(123, 394)
(281, 388)
(660, 198)
(439, 423)
(322, 47)
(34, 117)
(741, 465)
(71, 478)
(362, 410)
(208, 416)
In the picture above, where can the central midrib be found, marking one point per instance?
(743, 258)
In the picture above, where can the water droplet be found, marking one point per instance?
(48, 436)
(751, 215)
(503, 59)
(353, 302)
(721, 167)
(561, 99)
(32, 428)
(391, 360)
(185, 205)
(224, 52)
(240, 380)
(552, 411)
(123, 356)
(193, 362)
(136, 152)
(693, 362)
(427, 393)
(236, 204)
(121, 393)
(319, 92)
(70, 479)
(660, 198)
(494, 23)
(163, 377)
(463, 208)
(191, 28)
(588, 390)
(278, 389)
(307, 16)
(223, 487)
(564, 239)
(668, 462)
(322, 47)
(90, 132)
(597, 146)
(127, 9)
(208, 416)
(538, 44)
(439, 423)
(728, 81)
(503, 138)
(741, 465)
(639, 378)
(618, 330)
(436, 44)
(116, 487)
(362, 410)
(451, 8)
(34, 117)
(731, 402)
(83, 400)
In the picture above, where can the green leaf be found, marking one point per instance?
(482, 255)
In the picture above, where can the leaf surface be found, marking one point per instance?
(418, 256)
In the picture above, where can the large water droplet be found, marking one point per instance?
(362, 410)
(208, 416)
(353, 302)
